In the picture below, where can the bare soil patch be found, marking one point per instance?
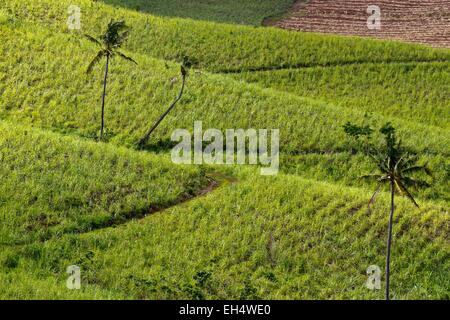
(422, 21)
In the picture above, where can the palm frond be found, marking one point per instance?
(382, 160)
(95, 61)
(116, 34)
(123, 36)
(119, 25)
(415, 169)
(416, 183)
(399, 163)
(396, 163)
(373, 176)
(123, 56)
(92, 39)
(374, 196)
(404, 191)
(410, 161)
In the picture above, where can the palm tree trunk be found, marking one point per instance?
(389, 241)
(104, 96)
(149, 132)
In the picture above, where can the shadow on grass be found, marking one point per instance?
(159, 146)
(247, 12)
(208, 184)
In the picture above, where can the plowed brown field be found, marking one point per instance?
(423, 21)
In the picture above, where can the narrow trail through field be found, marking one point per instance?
(216, 181)
(327, 65)
(123, 219)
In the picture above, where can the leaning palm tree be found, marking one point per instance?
(115, 35)
(395, 167)
(185, 66)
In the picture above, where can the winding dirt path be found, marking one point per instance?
(216, 180)
(422, 21)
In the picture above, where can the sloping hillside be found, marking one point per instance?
(121, 213)
(271, 238)
(222, 47)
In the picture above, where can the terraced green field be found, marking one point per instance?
(222, 47)
(257, 238)
(411, 91)
(142, 227)
(52, 185)
(59, 95)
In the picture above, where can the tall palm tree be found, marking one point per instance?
(185, 66)
(109, 42)
(395, 167)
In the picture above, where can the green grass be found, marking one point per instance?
(251, 12)
(272, 238)
(346, 169)
(220, 47)
(46, 86)
(413, 91)
(66, 199)
(52, 185)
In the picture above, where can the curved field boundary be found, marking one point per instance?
(326, 65)
(54, 184)
(319, 124)
(216, 180)
(409, 91)
(213, 45)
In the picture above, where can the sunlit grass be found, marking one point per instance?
(414, 91)
(52, 185)
(66, 199)
(219, 47)
(272, 238)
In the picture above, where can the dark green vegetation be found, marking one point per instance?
(306, 233)
(251, 12)
(52, 185)
(184, 72)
